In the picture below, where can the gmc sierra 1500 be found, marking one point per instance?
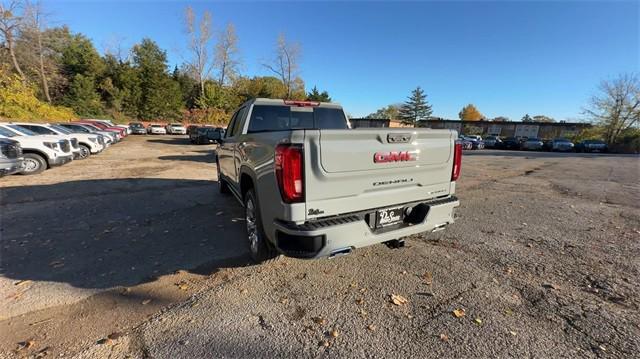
(312, 187)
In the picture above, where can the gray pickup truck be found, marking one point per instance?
(312, 187)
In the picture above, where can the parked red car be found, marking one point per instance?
(121, 131)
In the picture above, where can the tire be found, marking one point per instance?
(85, 152)
(260, 249)
(33, 163)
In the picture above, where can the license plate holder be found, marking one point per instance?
(389, 216)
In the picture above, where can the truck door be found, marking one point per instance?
(227, 155)
(238, 149)
(225, 150)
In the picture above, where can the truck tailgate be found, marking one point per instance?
(352, 170)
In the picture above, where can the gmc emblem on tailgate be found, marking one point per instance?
(394, 156)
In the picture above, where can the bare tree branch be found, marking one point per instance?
(226, 55)
(285, 64)
(34, 22)
(199, 41)
(617, 105)
(10, 24)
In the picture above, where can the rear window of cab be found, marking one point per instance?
(266, 118)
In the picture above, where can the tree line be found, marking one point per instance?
(64, 70)
(614, 110)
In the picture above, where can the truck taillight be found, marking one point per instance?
(457, 161)
(289, 163)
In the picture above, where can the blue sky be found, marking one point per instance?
(507, 58)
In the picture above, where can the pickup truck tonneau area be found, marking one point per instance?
(312, 187)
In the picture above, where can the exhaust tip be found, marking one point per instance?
(340, 252)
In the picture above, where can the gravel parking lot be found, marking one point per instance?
(133, 253)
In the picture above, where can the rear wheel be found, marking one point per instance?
(33, 164)
(260, 249)
(85, 151)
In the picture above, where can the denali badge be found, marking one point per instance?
(394, 156)
(314, 212)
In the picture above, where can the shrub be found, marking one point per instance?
(212, 116)
(628, 141)
(18, 101)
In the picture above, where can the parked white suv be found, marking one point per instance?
(73, 142)
(176, 129)
(39, 152)
(156, 130)
(88, 144)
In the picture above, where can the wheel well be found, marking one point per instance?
(84, 144)
(246, 183)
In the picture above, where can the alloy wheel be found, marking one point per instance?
(84, 152)
(31, 165)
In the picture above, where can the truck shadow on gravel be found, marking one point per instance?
(207, 157)
(172, 141)
(121, 232)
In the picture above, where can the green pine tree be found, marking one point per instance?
(316, 95)
(82, 96)
(161, 97)
(416, 108)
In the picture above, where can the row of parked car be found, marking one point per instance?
(29, 148)
(532, 144)
(198, 134)
(138, 128)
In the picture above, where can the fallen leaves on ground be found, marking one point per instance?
(459, 313)
(428, 278)
(25, 345)
(334, 333)
(146, 301)
(182, 285)
(319, 320)
(513, 333)
(444, 337)
(105, 341)
(371, 327)
(398, 299)
(114, 335)
(478, 321)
